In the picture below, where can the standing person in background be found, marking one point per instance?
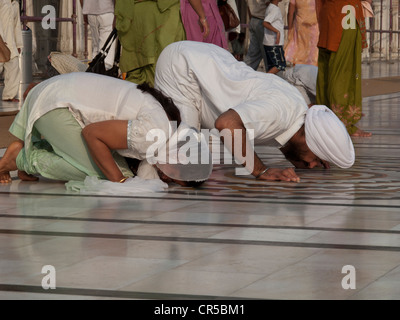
(303, 33)
(190, 22)
(11, 32)
(99, 14)
(274, 38)
(341, 41)
(145, 28)
(255, 52)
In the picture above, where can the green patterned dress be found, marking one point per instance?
(145, 28)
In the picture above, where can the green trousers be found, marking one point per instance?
(339, 79)
(62, 154)
(145, 28)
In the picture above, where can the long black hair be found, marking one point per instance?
(169, 106)
(173, 114)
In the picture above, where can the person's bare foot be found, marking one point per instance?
(26, 177)
(8, 162)
(361, 134)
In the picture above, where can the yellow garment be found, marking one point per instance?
(145, 28)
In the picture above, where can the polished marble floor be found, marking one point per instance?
(234, 238)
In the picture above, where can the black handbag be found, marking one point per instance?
(97, 65)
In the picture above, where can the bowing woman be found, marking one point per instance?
(81, 124)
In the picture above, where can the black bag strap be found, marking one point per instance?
(107, 45)
(100, 57)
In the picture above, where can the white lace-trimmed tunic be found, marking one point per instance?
(93, 98)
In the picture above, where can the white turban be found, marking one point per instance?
(327, 137)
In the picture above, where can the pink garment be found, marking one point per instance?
(301, 46)
(190, 21)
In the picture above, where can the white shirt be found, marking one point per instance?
(273, 15)
(257, 8)
(97, 7)
(303, 75)
(93, 98)
(205, 80)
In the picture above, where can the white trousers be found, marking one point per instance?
(101, 27)
(12, 78)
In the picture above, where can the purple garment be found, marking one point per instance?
(190, 21)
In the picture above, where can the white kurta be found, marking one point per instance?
(10, 26)
(304, 78)
(97, 7)
(93, 98)
(204, 81)
(10, 30)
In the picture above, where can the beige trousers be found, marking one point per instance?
(12, 78)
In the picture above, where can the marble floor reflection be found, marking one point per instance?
(232, 238)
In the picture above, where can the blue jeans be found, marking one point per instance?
(256, 49)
